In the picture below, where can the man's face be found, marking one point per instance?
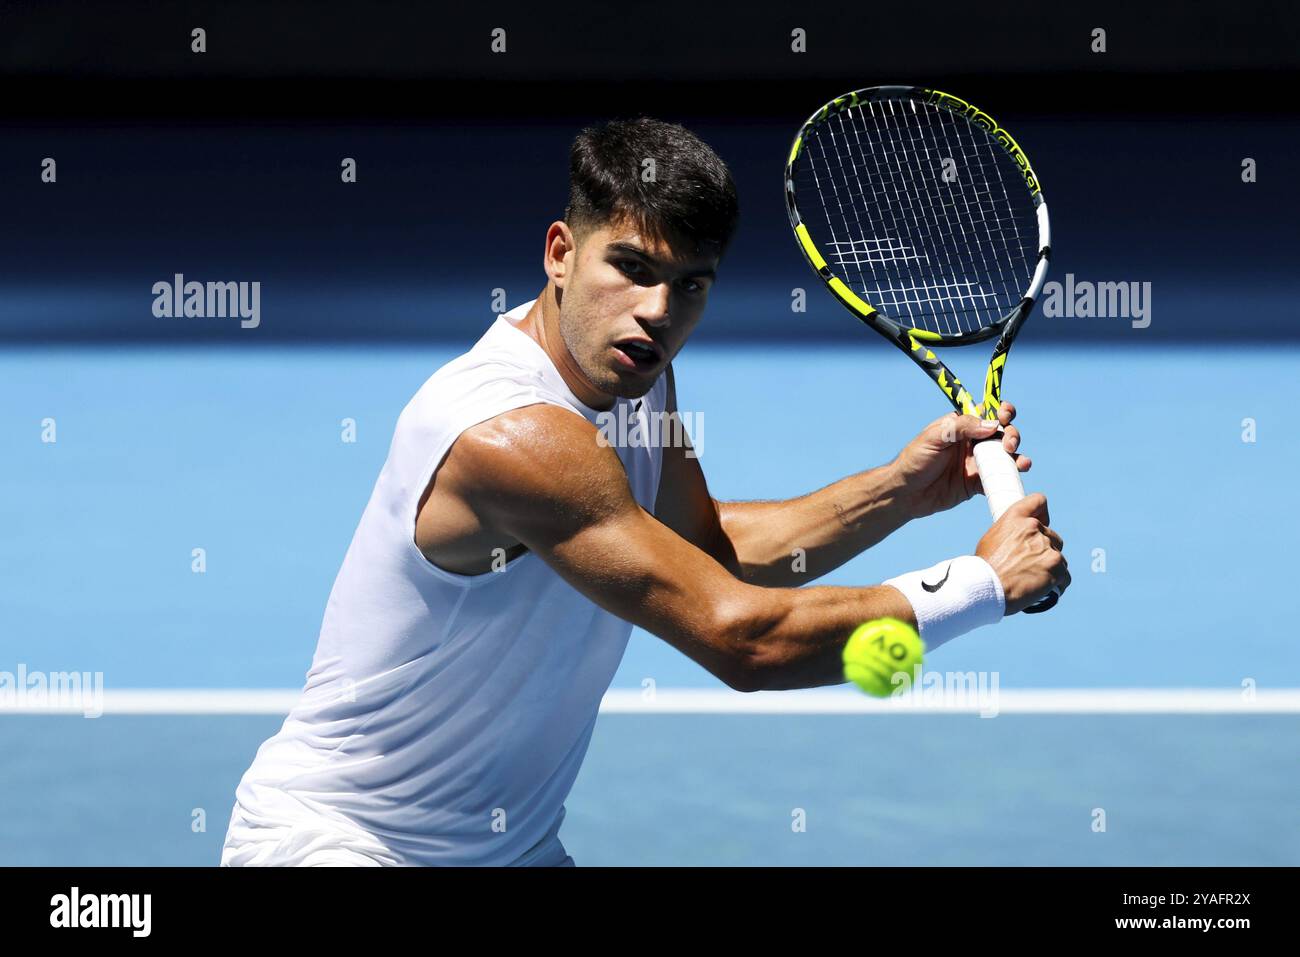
(628, 305)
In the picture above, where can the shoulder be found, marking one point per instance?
(468, 391)
(540, 456)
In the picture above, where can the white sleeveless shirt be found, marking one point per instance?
(445, 716)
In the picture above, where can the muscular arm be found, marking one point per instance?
(829, 527)
(755, 540)
(540, 477)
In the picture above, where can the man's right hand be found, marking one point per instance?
(1025, 553)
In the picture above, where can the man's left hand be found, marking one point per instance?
(937, 468)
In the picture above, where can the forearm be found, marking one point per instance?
(794, 638)
(792, 542)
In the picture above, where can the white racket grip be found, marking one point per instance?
(998, 475)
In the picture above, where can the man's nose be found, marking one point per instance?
(653, 308)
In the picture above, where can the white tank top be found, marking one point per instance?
(445, 716)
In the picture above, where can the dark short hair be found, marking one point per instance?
(692, 197)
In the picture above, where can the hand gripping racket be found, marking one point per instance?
(925, 220)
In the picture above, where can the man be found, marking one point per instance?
(508, 548)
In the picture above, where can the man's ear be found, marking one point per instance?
(561, 247)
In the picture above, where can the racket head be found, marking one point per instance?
(921, 215)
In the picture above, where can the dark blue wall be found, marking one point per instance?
(225, 165)
(444, 214)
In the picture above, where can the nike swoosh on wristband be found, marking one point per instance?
(935, 587)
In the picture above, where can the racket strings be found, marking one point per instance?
(921, 212)
(975, 203)
(992, 194)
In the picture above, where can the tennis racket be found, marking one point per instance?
(925, 220)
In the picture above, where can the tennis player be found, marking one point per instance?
(509, 547)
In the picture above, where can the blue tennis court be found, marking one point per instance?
(1171, 526)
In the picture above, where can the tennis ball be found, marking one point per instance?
(877, 650)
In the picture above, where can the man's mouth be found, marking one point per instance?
(641, 354)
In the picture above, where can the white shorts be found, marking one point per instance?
(326, 844)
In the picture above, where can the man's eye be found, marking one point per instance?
(693, 286)
(631, 267)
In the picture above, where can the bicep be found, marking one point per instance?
(635, 567)
(544, 481)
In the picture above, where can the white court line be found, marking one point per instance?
(233, 701)
(1011, 701)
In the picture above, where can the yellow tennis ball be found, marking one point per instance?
(879, 649)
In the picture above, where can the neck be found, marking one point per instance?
(542, 324)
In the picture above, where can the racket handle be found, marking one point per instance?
(998, 475)
(1003, 488)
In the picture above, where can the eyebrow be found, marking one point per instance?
(627, 247)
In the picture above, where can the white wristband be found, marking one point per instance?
(952, 598)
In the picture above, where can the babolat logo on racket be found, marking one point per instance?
(956, 104)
